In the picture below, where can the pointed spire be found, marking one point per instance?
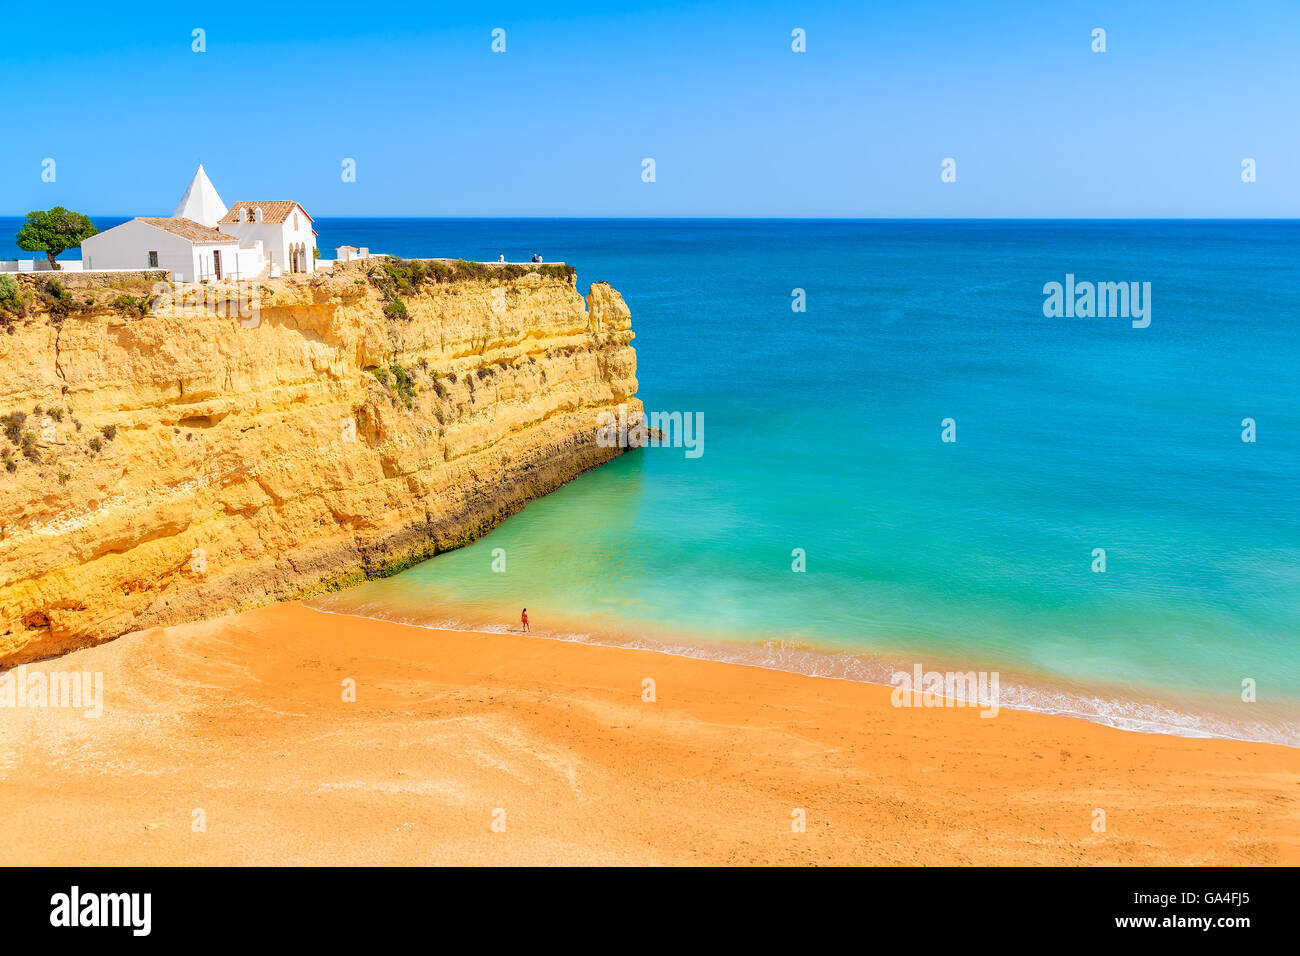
(201, 202)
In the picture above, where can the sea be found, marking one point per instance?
(906, 456)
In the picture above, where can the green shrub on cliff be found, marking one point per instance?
(397, 310)
(399, 382)
(13, 426)
(55, 299)
(130, 306)
(404, 385)
(395, 277)
(12, 300)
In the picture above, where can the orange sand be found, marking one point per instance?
(243, 718)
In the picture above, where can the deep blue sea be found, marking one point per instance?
(822, 432)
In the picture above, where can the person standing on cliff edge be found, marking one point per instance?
(524, 618)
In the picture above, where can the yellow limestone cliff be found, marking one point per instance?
(181, 463)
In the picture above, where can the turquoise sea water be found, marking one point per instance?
(822, 432)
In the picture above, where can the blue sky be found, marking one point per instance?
(737, 123)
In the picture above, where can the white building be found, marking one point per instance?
(189, 251)
(203, 241)
(281, 226)
(350, 253)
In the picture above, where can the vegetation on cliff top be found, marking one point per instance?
(397, 277)
(13, 302)
(26, 296)
(130, 306)
(46, 295)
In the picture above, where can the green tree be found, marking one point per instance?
(53, 231)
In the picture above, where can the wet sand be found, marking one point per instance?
(240, 724)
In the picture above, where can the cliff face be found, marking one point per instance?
(184, 463)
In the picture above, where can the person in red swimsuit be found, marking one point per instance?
(524, 617)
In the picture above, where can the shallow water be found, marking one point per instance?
(821, 432)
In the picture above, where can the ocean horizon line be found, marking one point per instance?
(713, 219)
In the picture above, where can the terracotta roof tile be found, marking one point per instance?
(273, 212)
(187, 229)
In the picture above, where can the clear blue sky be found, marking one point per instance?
(738, 124)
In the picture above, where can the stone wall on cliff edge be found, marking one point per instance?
(185, 463)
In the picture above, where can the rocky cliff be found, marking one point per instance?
(163, 461)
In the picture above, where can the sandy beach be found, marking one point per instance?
(230, 742)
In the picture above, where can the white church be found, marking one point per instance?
(206, 241)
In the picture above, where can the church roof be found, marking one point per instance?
(200, 203)
(273, 211)
(187, 229)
